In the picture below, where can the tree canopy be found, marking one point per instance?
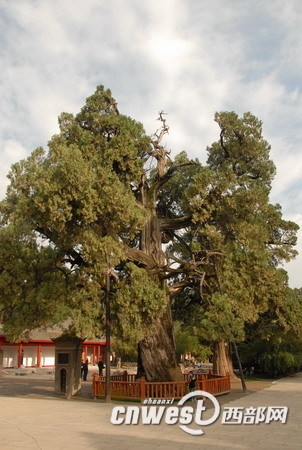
(105, 198)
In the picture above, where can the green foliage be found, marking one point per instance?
(242, 153)
(188, 341)
(37, 289)
(280, 355)
(274, 345)
(70, 212)
(125, 349)
(138, 301)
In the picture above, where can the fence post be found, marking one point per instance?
(94, 376)
(125, 375)
(229, 380)
(143, 387)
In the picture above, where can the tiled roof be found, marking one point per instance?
(47, 334)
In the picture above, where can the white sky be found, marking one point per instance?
(189, 58)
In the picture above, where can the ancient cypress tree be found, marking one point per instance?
(88, 206)
(104, 198)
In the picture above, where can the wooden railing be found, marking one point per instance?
(199, 376)
(216, 386)
(125, 376)
(166, 389)
(125, 386)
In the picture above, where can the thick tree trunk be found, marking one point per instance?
(157, 353)
(222, 363)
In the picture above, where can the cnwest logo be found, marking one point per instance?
(182, 414)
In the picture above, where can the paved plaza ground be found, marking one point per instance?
(33, 417)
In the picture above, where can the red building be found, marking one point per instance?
(39, 350)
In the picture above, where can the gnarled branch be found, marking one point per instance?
(176, 223)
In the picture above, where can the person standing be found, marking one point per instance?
(82, 369)
(85, 370)
(101, 366)
(192, 383)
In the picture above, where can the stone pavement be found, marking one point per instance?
(57, 424)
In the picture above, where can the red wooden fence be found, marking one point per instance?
(125, 386)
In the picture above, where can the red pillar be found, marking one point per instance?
(99, 351)
(85, 352)
(93, 354)
(20, 348)
(39, 356)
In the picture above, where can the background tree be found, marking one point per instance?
(188, 342)
(239, 235)
(273, 343)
